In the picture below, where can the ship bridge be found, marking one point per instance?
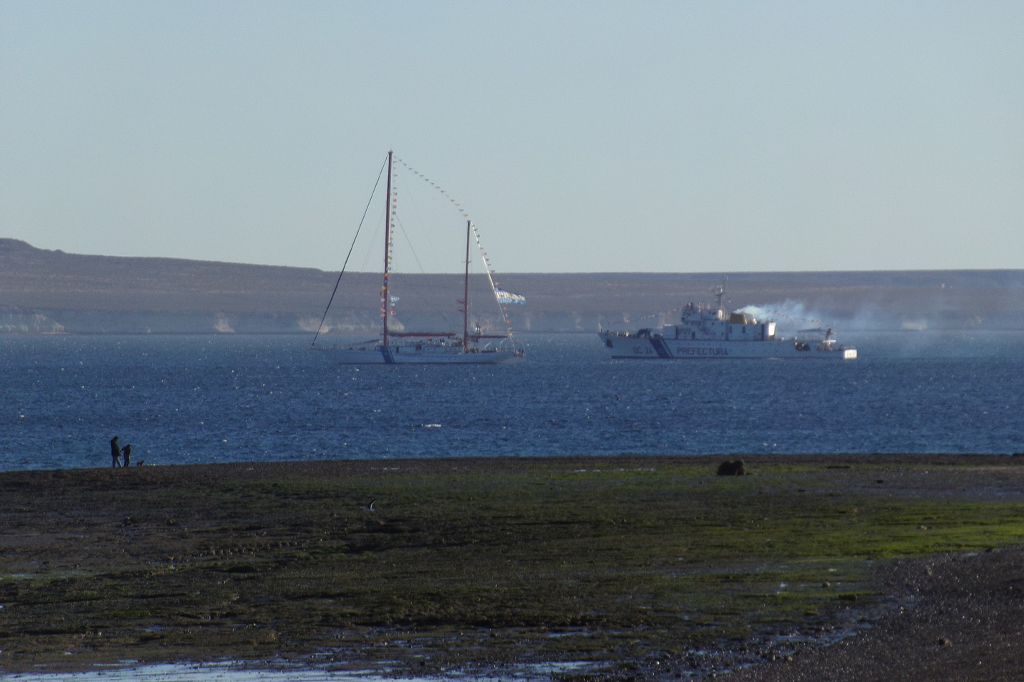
(703, 323)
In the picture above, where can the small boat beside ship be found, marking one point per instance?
(708, 332)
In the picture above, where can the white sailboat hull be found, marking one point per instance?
(629, 346)
(409, 355)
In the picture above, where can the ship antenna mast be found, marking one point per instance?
(719, 291)
(387, 251)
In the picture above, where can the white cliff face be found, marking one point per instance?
(29, 323)
(223, 326)
(312, 325)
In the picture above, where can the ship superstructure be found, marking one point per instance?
(707, 331)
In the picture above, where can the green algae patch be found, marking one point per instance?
(430, 564)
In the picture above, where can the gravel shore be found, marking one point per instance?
(967, 624)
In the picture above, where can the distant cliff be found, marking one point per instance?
(45, 291)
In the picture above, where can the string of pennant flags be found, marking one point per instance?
(503, 297)
(387, 306)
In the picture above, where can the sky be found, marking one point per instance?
(679, 136)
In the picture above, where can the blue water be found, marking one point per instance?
(185, 399)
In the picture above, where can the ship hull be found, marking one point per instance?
(623, 346)
(405, 355)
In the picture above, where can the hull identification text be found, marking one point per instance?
(682, 350)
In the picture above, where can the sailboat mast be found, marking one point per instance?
(465, 298)
(387, 252)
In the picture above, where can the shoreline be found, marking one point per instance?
(963, 623)
(637, 564)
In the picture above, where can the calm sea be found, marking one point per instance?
(185, 399)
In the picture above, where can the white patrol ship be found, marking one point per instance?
(708, 332)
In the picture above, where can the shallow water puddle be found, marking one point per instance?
(230, 672)
(189, 672)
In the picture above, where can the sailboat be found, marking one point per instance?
(401, 347)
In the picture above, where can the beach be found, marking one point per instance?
(618, 567)
(964, 623)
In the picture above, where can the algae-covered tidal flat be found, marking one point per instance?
(632, 563)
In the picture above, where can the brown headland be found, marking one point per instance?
(46, 291)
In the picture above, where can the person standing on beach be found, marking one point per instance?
(127, 452)
(115, 452)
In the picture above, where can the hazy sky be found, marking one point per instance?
(581, 136)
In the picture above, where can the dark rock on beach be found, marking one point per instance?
(734, 468)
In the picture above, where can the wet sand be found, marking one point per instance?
(644, 568)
